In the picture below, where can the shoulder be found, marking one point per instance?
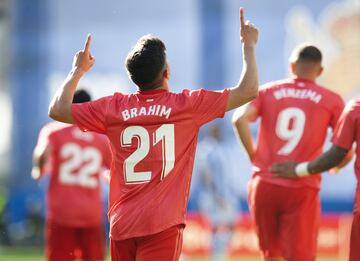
(188, 92)
(273, 85)
(353, 106)
(329, 95)
(53, 127)
(325, 90)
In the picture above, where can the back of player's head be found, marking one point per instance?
(306, 53)
(81, 96)
(146, 62)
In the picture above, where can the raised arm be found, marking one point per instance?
(60, 106)
(240, 120)
(331, 158)
(247, 87)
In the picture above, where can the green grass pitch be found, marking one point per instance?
(35, 254)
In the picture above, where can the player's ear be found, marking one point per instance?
(321, 69)
(166, 73)
(293, 68)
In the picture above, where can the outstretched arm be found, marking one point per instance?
(247, 87)
(331, 158)
(240, 120)
(60, 106)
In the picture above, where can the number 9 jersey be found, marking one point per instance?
(295, 116)
(153, 135)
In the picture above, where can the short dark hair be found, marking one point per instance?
(81, 96)
(146, 62)
(306, 53)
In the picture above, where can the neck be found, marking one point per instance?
(163, 86)
(305, 77)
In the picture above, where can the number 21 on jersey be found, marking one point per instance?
(164, 134)
(291, 133)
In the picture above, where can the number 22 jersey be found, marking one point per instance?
(75, 161)
(295, 116)
(153, 135)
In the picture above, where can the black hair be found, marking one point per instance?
(146, 62)
(81, 96)
(306, 53)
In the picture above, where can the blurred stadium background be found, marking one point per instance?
(38, 39)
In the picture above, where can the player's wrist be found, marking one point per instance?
(77, 71)
(302, 169)
(249, 45)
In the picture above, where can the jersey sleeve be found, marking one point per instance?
(336, 111)
(91, 116)
(43, 147)
(44, 138)
(107, 154)
(257, 102)
(208, 105)
(344, 134)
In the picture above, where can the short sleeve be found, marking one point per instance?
(107, 154)
(344, 133)
(44, 137)
(258, 101)
(91, 116)
(336, 111)
(208, 105)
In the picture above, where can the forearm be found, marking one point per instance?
(248, 82)
(247, 87)
(60, 106)
(242, 131)
(331, 158)
(39, 161)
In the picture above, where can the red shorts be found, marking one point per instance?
(164, 246)
(286, 220)
(355, 239)
(69, 243)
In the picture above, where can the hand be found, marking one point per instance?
(248, 32)
(285, 170)
(83, 60)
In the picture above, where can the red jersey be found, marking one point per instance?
(75, 162)
(153, 135)
(346, 132)
(295, 115)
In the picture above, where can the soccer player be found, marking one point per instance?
(345, 134)
(153, 134)
(294, 114)
(75, 161)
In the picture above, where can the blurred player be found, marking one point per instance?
(346, 133)
(75, 160)
(216, 197)
(153, 133)
(295, 114)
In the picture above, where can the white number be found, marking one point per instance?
(164, 134)
(138, 155)
(292, 134)
(76, 157)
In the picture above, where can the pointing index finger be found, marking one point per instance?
(87, 44)
(242, 19)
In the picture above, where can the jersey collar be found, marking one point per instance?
(152, 92)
